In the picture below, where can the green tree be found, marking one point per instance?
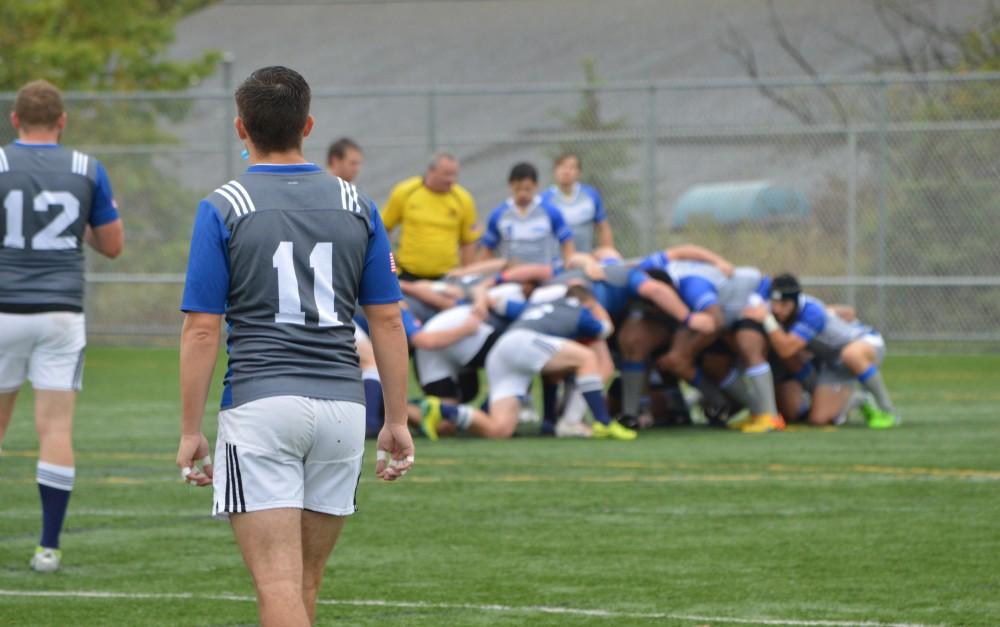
(603, 159)
(116, 46)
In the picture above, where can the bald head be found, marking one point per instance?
(442, 172)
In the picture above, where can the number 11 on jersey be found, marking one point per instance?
(289, 304)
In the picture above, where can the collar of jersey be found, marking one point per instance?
(32, 145)
(284, 168)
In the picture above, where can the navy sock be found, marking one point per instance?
(593, 393)
(550, 400)
(449, 411)
(55, 484)
(374, 416)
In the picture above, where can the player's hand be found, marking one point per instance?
(726, 268)
(394, 454)
(193, 450)
(594, 271)
(701, 322)
(480, 312)
(757, 313)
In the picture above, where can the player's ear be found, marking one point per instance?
(14, 121)
(241, 132)
(61, 122)
(310, 121)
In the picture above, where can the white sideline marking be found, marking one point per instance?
(525, 609)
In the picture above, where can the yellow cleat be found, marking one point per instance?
(614, 430)
(763, 423)
(430, 417)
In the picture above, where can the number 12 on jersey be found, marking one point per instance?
(289, 303)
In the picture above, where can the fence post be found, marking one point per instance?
(228, 114)
(852, 215)
(431, 121)
(649, 234)
(883, 192)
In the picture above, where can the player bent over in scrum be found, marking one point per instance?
(845, 352)
(291, 429)
(539, 342)
(55, 199)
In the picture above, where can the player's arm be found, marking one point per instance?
(469, 230)
(206, 289)
(844, 312)
(199, 351)
(605, 239)
(107, 239)
(563, 233)
(693, 252)
(669, 301)
(786, 344)
(436, 340)
(434, 293)
(467, 254)
(490, 240)
(488, 266)
(379, 295)
(105, 232)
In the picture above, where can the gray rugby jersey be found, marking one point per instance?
(563, 317)
(49, 195)
(825, 333)
(286, 252)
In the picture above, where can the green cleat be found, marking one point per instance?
(614, 430)
(430, 416)
(878, 419)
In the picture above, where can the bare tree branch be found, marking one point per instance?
(802, 62)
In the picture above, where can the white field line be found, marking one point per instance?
(520, 609)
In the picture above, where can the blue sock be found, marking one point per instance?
(867, 374)
(449, 411)
(458, 415)
(55, 483)
(593, 393)
(374, 416)
(550, 400)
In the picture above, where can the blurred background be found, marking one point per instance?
(856, 143)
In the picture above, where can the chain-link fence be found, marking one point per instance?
(881, 192)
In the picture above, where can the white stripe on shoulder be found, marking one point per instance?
(343, 192)
(76, 160)
(4, 165)
(246, 194)
(244, 209)
(232, 201)
(354, 195)
(85, 161)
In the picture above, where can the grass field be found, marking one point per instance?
(684, 527)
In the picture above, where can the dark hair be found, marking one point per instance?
(785, 287)
(522, 171)
(340, 147)
(660, 275)
(273, 103)
(579, 292)
(564, 156)
(38, 104)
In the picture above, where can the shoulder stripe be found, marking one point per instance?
(343, 193)
(74, 167)
(246, 195)
(354, 195)
(237, 196)
(83, 166)
(79, 165)
(232, 201)
(4, 165)
(349, 196)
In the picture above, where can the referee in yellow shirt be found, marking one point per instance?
(437, 218)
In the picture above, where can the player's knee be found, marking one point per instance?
(673, 362)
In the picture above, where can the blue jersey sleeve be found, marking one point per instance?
(411, 325)
(698, 293)
(379, 284)
(595, 197)
(206, 286)
(656, 261)
(103, 210)
(588, 326)
(513, 309)
(491, 238)
(560, 229)
(636, 277)
(810, 322)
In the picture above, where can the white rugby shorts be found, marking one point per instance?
(515, 360)
(289, 451)
(44, 348)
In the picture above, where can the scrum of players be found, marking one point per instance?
(548, 297)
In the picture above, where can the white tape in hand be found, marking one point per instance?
(185, 471)
(206, 460)
(381, 456)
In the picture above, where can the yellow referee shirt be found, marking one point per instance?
(433, 226)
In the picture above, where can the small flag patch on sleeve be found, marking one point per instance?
(392, 262)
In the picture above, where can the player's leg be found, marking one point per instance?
(587, 366)
(7, 400)
(271, 543)
(332, 474)
(319, 535)
(55, 371)
(636, 339)
(863, 357)
(374, 415)
(752, 350)
(828, 403)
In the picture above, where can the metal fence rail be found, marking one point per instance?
(901, 175)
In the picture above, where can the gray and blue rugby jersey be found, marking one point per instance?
(583, 210)
(563, 317)
(532, 237)
(50, 194)
(285, 252)
(825, 333)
